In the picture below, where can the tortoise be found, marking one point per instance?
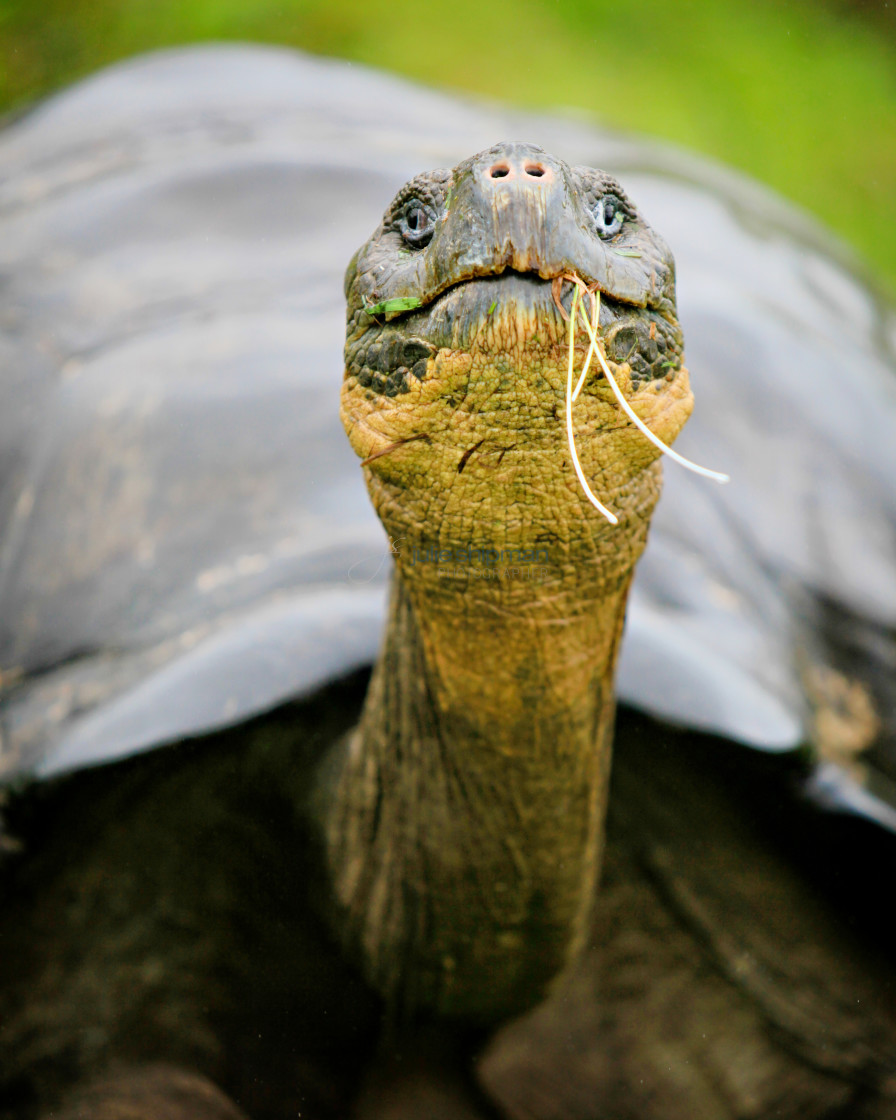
(187, 546)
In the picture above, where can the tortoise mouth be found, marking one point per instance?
(486, 295)
(502, 271)
(500, 311)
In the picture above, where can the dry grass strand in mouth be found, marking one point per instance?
(570, 436)
(594, 348)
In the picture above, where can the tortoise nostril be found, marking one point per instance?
(515, 167)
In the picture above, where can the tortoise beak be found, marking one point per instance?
(518, 208)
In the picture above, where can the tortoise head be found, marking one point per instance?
(457, 353)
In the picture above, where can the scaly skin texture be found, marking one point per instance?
(465, 829)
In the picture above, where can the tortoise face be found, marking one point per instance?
(456, 352)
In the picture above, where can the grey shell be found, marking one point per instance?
(185, 539)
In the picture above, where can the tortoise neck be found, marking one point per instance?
(465, 827)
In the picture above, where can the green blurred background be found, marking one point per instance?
(801, 95)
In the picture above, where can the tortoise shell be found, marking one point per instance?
(185, 540)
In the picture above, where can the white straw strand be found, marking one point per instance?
(595, 318)
(610, 516)
(717, 476)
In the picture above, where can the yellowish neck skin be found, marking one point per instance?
(466, 830)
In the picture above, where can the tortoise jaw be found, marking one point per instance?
(519, 264)
(419, 283)
(503, 312)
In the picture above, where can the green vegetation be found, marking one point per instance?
(797, 95)
(393, 306)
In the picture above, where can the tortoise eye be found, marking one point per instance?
(417, 224)
(608, 215)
